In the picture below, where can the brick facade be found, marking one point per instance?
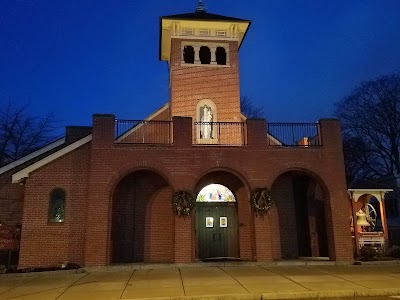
(92, 177)
(118, 196)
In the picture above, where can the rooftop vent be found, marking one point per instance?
(200, 7)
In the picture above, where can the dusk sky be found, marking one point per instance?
(76, 58)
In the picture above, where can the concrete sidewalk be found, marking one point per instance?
(206, 282)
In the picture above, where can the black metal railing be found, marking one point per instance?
(294, 134)
(219, 133)
(142, 132)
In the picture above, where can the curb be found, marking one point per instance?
(288, 295)
(35, 274)
(377, 292)
(332, 294)
(208, 297)
(379, 262)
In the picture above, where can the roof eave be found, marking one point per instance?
(370, 190)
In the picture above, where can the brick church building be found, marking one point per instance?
(179, 186)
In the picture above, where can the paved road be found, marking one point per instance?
(229, 282)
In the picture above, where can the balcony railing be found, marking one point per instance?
(142, 132)
(219, 133)
(294, 134)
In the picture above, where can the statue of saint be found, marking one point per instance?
(206, 119)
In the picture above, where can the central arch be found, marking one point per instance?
(217, 217)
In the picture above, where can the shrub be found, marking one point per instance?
(368, 253)
(394, 252)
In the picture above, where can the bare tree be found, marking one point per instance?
(21, 133)
(250, 110)
(370, 118)
(358, 159)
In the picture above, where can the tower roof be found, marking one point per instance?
(203, 16)
(188, 25)
(200, 14)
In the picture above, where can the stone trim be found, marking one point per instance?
(26, 171)
(32, 155)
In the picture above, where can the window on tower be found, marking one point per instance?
(205, 55)
(199, 53)
(220, 56)
(188, 55)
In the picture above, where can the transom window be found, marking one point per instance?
(215, 193)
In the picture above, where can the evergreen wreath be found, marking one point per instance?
(183, 202)
(261, 200)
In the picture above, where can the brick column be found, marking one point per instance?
(103, 131)
(337, 213)
(184, 230)
(262, 226)
(97, 230)
(183, 239)
(182, 131)
(331, 135)
(256, 132)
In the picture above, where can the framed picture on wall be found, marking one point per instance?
(223, 222)
(209, 222)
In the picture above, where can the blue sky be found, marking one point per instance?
(75, 58)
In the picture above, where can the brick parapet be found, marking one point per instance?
(182, 132)
(103, 131)
(256, 132)
(331, 134)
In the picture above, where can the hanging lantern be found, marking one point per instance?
(362, 218)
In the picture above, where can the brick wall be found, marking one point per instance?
(91, 176)
(44, 243)
(190, 84)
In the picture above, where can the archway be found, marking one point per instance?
(142, 219)
(368, 224)
(216, 216)
(301, 205)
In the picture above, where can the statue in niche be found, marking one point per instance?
(206, 117)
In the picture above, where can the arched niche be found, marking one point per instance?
(206, 117)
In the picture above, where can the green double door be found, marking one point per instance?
(217, 230)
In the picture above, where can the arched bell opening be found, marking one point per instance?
(142, 219)
(301, 205)
(368, 223)
(368, 211)
(218, 213)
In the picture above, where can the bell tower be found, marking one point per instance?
(202, 53)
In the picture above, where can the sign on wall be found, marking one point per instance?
(223, 222)
(209, 222)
